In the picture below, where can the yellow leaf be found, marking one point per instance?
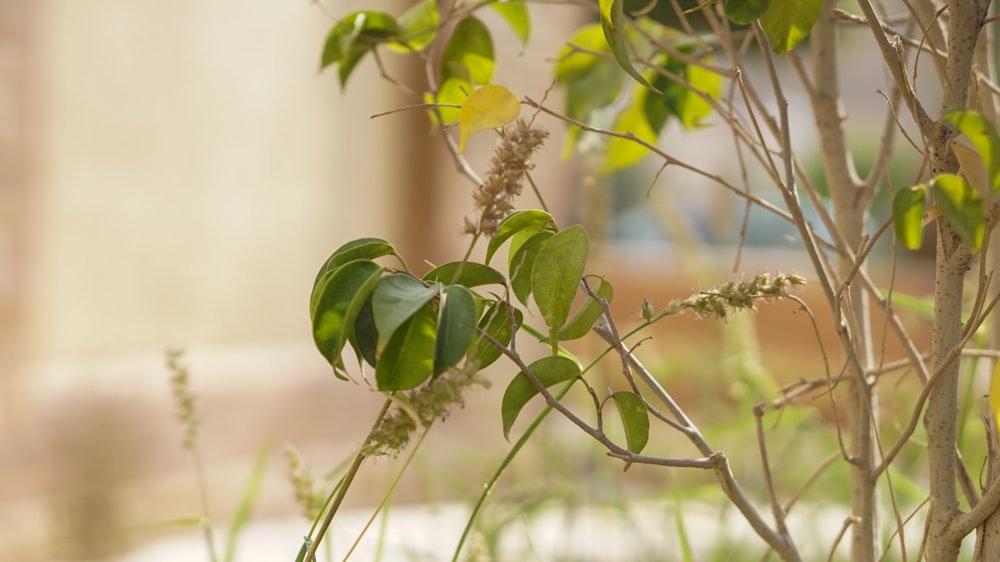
(489, 107)
(995, 393)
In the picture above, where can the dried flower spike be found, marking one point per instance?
(511, 162)
(180, 384)
(302, 484)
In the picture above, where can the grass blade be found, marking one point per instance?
(242, 515)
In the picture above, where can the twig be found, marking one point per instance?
(776, 508)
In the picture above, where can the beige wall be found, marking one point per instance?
(187, 170)
(188, 164)
(193, 170)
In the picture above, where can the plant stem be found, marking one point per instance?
(343, 486)
(203, 493)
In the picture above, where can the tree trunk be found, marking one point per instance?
(952, 262)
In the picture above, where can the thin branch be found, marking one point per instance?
(776, 509)
(894, 61)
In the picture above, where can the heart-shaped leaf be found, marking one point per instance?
(489, 107)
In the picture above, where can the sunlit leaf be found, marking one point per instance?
(687, 104)
(588, 313)
(788, 22)
(489, 107)
(469, 53)
(452, 92)
(456, 327)
(515, 222)
(908, 213)
(469, 274)
(692, 107)
(515, 13)
(338, 298)
(635, 419)
(500, 322)
(620, 152)
(960, 204)
(613, 24)
(408, 358)
(418, 26)
(744, 12)
(549, 371)
(521, 263)
(557, 272)
(353, 36)
(591, 82)
(983, 135)
(396, 298)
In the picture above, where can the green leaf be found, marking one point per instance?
(521, 264)
(456, 327)
(557, 272)
(469, 53)
(787, 22)
(588, 313)
(452, 91)
(489, 107)
(960, 204)
(591, 82)
(364, 338)
(472, 274)
(396, 298)
(635, 419)
(500, 321)
(908, 215)
(338, 298)
(678, 100)
(549, 371)
(621, 153)
(515, 222)
(983, 136)
(418, 27)
(613, 24)
(744, 12)
(408, 359)
(353, 37)
(360, 249)
(515, 13)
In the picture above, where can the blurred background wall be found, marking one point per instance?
(173, 174)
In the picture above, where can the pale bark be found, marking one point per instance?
(952, 258)
(988, 534)
(850, 208)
